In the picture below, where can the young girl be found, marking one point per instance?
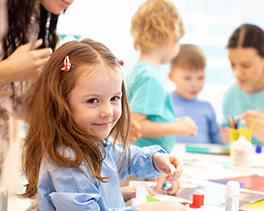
(245, 98)
(78, 101)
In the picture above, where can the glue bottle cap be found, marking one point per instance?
(232, 187)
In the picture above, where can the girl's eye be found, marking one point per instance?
(92, 101)
(187, 78)
(115, 98)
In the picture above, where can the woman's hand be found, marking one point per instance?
(254, 120)
(24, 64)
(162, 205)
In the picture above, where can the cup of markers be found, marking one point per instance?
(235, 132)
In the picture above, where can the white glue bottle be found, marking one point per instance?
(232, 196)
(241, 155)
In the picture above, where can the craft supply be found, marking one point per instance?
(241, 154)
(232, 196)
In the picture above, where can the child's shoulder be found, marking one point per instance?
(145, 66)
(143, 69)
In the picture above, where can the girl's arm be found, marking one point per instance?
(162, 163)
(156, 129)
(23, 64)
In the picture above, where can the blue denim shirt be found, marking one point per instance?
(63, 188)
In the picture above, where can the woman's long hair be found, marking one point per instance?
(20, 14)
(51, 126)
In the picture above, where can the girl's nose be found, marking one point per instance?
(106, 111)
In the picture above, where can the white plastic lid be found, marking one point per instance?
(232, 187)
(242, 139)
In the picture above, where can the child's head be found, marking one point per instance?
(76, 108)
(188, 71)
(246, 54)
(156, 23)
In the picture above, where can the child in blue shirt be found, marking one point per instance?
(156, 28)
(78, 101)
(188, 74)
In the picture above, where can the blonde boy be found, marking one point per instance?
(188, 74)
(156, 28)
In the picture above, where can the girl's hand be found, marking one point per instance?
(254, 120)
(129, 192)
(175, 185)
(25, 64)
(162, 205)
(225, 134)
(162, 163)
(186, 126)
(135, 131)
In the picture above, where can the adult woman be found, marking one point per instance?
(246, 97)
(27, 20)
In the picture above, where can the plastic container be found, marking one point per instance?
(241, 155)
(235, 133)
(232, 196)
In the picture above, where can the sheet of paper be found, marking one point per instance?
(141, 195)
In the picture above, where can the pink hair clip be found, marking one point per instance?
(121, 62)
(67, 64)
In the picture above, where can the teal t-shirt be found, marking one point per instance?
(147, 95)
(236, 102)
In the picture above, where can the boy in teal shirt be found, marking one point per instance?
(148, 98)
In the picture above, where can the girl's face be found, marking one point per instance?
(248, 68)
(188, 83)
(95, 101)
(55, 6)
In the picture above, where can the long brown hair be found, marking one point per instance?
(20, 13)
(50, 120)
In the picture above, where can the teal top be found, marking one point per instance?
(147, 95)
(236, 101)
